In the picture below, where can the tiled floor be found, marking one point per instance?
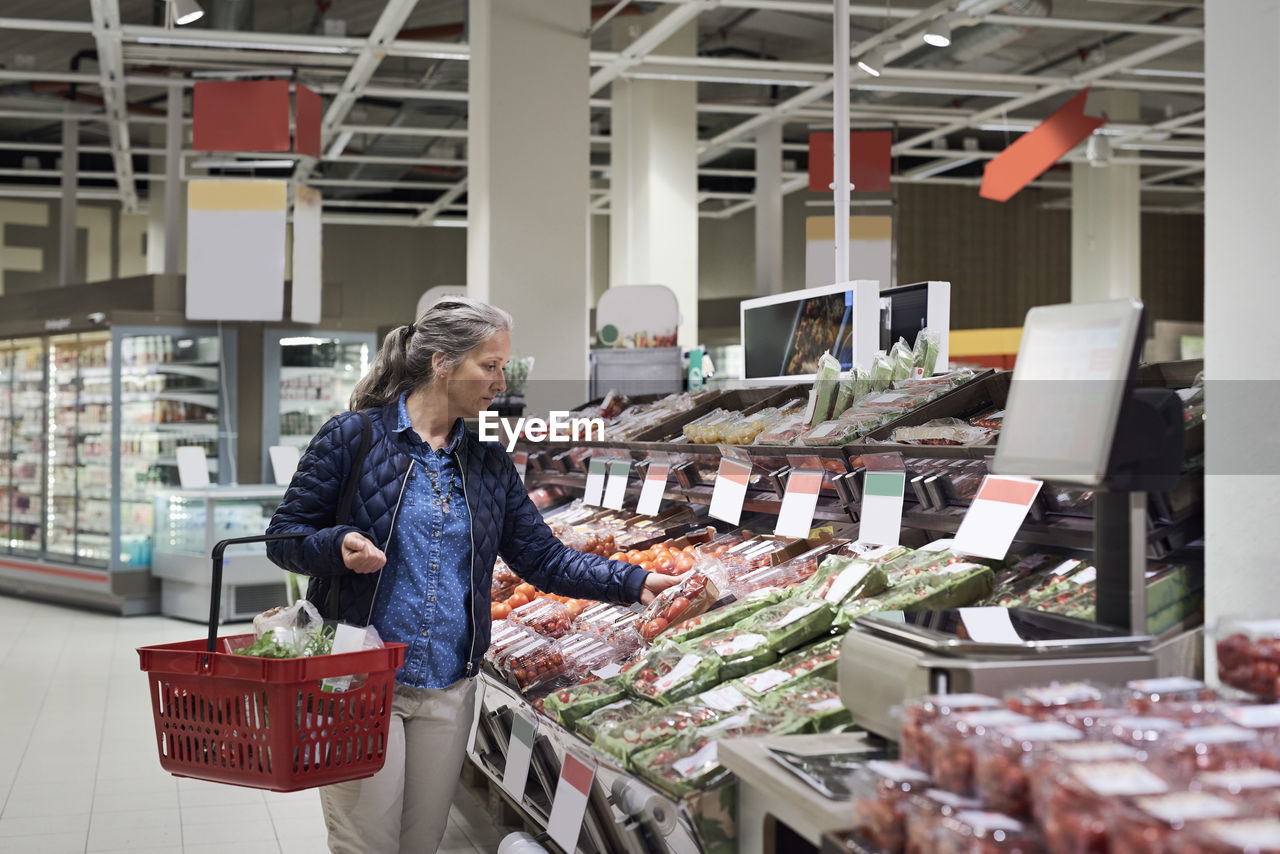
(78, 764)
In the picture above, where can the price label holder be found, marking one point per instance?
(595, 482)
(655, 484)
(918, 490)
(476, 712)
(778, 480)
(795, 517)
(996, 514)
(569, 806)
(933, 485)
(561, 462)
(616, 487)
(686, 474)
(883, 487)
(730, 490)
(521, 459)
(516, 774)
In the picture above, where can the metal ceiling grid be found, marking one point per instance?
(395, 86)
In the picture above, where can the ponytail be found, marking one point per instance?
(453, 327)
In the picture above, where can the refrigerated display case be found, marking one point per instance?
(307, 379)
(90, 424)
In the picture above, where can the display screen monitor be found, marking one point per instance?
(1075, 367)
(904, 311)
(785, 335)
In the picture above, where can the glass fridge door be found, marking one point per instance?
(23, 498)
(170, 397)
(60, 477)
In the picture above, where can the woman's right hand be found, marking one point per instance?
(361, 555)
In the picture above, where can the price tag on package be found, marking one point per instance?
(595, 483)
(655, 484)
(730, 489)
(996, 514)
(795, 516)
(516, 775)
(521, 459)
(616, 487)
(570, 804)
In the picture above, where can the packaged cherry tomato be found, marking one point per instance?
(739, 652)
(691, 597)
(881, 793)
(598, 618)
(952, 741)
(690, 762)
(984, 832)
(1264, 720)
(1091, 721)
(725, 616)
(1249, 655)
(547, 617)
(670, 673)
(655, 727)
(764, 578)
(587, 657)
(602, 720)
(1043, 701)
(502, 636)
(840, 577)
(751, 555)
(1148, 825)
(813, 699)
(532, 663)
(925, 811)
(792, 623)
(1214, 748)
(1258, 787)
(1145, 732)
(572, 704)
(916, 745)
(1143, 696)
(817, 659)
(1001, 759)
(1073, 807)
(1232, 836)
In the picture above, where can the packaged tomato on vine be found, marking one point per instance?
(691, 763)
(726, 616)
(686, 600)
(1231, 836)
(881, 792)
(919, 714)
(658, 725)
(670, 673)
(1002, 757)
(985, 832)
(739, 652)
(1148, 825)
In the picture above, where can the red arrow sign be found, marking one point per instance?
(1037, 150)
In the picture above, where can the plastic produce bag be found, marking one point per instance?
(924, 356)
(790, 624)
(574, 703)
(813, 699)
(881, 372)
(825, 386)
(841, 577)
(844, 397)
(900, 356)
(292, 631)
(686, 600)
(739, 652)
(605, 718)
(727, 616)
(670, 673)
(655, 726)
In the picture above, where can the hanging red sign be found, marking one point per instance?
(1038, 149)
(870, 161)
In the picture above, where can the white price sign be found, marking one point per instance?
(995, 516)
(519, 753)
(570, 804)
(616, 488)
(655, 484)
(730, 490)
(595, 483)
(795, 517)
(881, 515)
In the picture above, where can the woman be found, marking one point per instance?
(434, 506)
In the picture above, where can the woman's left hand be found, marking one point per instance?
(655, 583)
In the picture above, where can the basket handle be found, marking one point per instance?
(215, 599)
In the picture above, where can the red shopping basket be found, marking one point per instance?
(266, 723)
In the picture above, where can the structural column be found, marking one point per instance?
(1106, 230)
(1241, 307)
(769, 209)
(527, 191)
(653, 225)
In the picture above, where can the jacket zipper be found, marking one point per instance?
(395, 517)
(471, 574)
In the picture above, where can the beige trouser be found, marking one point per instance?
(405, 806)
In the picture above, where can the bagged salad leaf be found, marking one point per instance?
(605, 718)
(659, 724)
(574, 703)
(817, 659)
(729, 615)
(739, 652)
(790, 624)
(813, 699)
(900, 356)
(686, 600)
(670, 673)
(825, 385)
(924, 356)
(881, 372)
(841, 577)
(844, 396)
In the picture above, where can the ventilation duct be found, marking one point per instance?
(975, 42)
(229, 14)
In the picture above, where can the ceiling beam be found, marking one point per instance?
(648, 42)
(106, 34)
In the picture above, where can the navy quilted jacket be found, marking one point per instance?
(504, 522)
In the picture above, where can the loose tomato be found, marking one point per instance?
(618, 556)
(499, 610)
(684, 562)
(515, 600)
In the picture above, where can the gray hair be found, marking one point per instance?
(452, 327)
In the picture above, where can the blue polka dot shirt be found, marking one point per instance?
(425, 591)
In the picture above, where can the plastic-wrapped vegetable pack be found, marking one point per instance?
(594, 725)
(814, 699)
(841, 577)
(686, 600)
(574, 703)
(739, 652)
(663, 723)
(818, 659)
(670, 673)
(726, 616)
(790, 624)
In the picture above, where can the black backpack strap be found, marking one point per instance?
(348, 498)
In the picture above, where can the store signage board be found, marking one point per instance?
(655, 484)
(193, 468)
(307, 256)
(616, 488)
(595, 483)
(799, 502)
(521, 460)
(284, 462)
(730, 490)
(236, 249)
(995, 516)
(570, 804)
(880, 520)
(516, 774)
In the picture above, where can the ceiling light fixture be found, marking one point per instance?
(872, 62)
(185, 11)
(938, 33)
(180, 41)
